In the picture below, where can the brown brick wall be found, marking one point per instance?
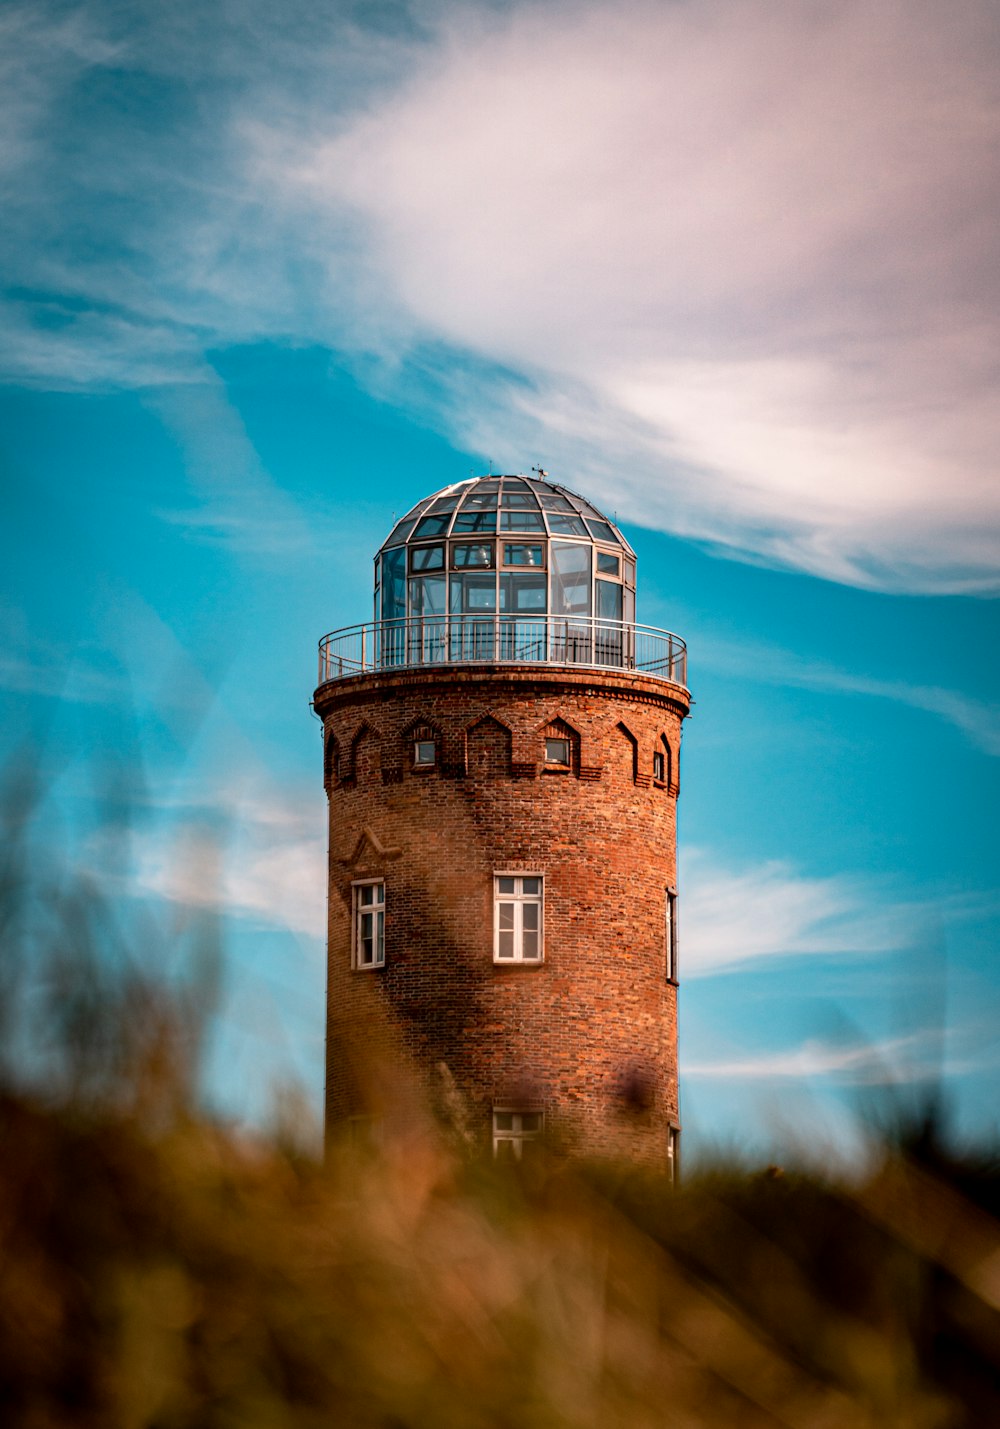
(590, 1035)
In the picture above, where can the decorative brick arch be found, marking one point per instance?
(625, 752)
(365, 762)
(331, 761)
(488, 745)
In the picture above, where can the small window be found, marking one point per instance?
(424, 753)
(607, 564)
(368, 950)
(659, 767)
(673, 1153)
(522, 555)
(517, 918)
(557, 751)
(601, 531)
(426, 558)
(513, 1131)
(670, 934)
(465, 554)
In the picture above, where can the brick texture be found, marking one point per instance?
(589, 1036)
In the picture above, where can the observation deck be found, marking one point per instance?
(575, 642)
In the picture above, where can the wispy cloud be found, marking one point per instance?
(735, 916)
(892, 1061)
(978, 720)
(730, 265)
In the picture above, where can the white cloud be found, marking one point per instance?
(731, 265)
(772, 910)
(754, 238)
(249, 852)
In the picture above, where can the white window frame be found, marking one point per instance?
(659, 766)
(358, 911)
(670, 932)
(519, 899)
(673, 1153)
(558, 739)
(516, 1135)
(421, 763)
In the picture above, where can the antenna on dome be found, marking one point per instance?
(540, 469)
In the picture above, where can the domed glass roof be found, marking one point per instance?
(514, 546)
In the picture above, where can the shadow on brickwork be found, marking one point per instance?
(161, 1270)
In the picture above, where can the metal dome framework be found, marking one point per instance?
(504, 570)
(512, 546)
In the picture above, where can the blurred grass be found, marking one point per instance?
(158, 1269)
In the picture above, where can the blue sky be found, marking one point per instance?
(727, 267)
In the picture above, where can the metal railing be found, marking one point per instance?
(502, 640)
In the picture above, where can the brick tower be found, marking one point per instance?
(502, 753)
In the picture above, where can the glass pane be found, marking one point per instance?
(424, 751)
(480, 501)
(506, 885)
(467, 521)
(521, 521)
(609, 601)
(519, 499)
(394, 584)
(555, 502)
(601, 531)
(525, 593)
(629, 572)
(506, 1150)
(368, 893)
(431, 526)
(531, 1121)
(400, 533)
(480, 554)
(529, 941)
(472, 595)
(561, 525)
(607, 564)
(426, 558)
(505, 916)
(427, 596)
(523, 555)
(557, 751)
(570, 578)
(444, 503)
(530, 917)
(503, 1121)
(379, 935)
(531, 885)
(505, 944)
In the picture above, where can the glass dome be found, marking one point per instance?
(513, 548)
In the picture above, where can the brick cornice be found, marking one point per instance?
(493, 682)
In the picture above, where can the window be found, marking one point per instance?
(518, 555)
(424, 753)
(607, 564)
(673, 1152)
(557, 751)
(426, 558)
(517, 918)
(513, 1131)
(368, 949)
(670, 934)
(472, 554)
(659, 766)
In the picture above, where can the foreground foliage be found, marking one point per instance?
(158, 1271)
